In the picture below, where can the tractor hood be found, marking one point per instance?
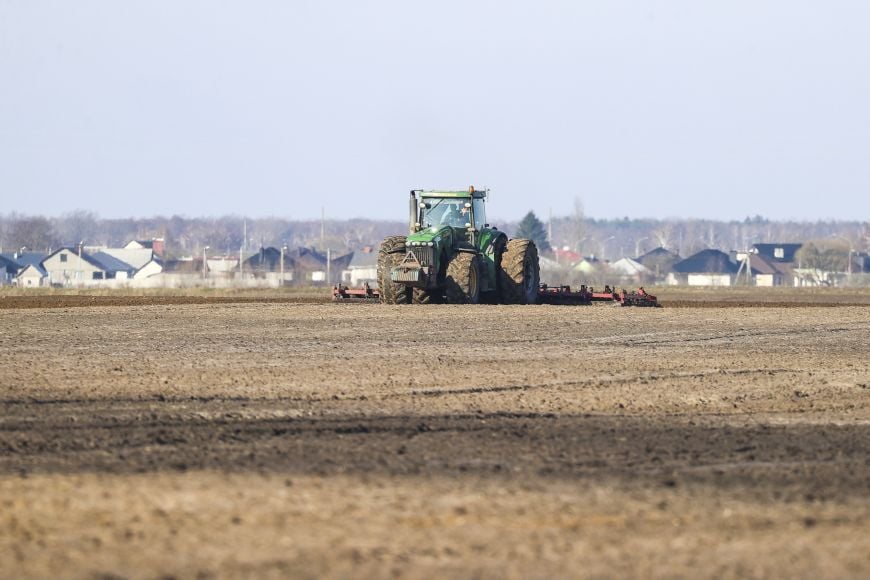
(429, 236)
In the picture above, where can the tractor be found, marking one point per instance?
(451, 254)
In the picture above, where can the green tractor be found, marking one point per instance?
(451, 254)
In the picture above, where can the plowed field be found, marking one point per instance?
(199, 438)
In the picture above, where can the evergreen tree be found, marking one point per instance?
(532, 228)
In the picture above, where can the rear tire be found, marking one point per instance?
(390, 254)
(520, 273)
(463, 279)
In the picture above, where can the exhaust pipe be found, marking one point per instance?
(413, 211)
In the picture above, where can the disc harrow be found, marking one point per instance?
(559, 295)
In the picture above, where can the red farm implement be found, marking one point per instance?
(588, 295)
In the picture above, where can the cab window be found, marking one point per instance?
(479, 213)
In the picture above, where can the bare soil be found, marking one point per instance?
(152, 438)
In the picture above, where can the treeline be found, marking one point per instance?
(606, 239)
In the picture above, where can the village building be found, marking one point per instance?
(659, 261)
(629, 268)
(144, 260)
(706, 268)
(300, 264)
(71, 267)
(31, 276)
(8, 270)
(156, 245)
(12, 265)
(362, 269)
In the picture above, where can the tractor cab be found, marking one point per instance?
(463, 210)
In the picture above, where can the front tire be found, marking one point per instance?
(425, 296)
(463, 279)
(520, 273)
(390, 254)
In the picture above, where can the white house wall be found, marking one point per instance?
(74, 271)
(152, 268)
(709, 280)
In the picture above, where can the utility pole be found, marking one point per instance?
(328, 266)
(79, 276)
(322, 222)
(550, 226)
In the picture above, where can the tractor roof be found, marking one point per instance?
(467, 193)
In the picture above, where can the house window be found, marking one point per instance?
(779, 253)
(98, 275)
(63, 257)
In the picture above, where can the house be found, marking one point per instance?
(156, 245)
(784, 253)
(588, 265)
(659, 261)
(268, 260)
(224, 266)
(144, 260)
(362, 268)
(31, 276)
(313, 266)
(68, 266)
(8, 270)
(12, 264)
(782, 258)
(706, 268)
(763, 271)
(629, 267)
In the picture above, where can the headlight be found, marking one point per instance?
(430, 244)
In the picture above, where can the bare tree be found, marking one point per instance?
(577, 225)
(76, 226)
(664, 234)
(34, 232)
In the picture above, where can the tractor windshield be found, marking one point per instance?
(443, 211)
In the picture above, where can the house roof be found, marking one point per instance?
(365, 258)
(183, 266)
(629, 267)
(110, 263)
(8, 264)
(763, 265)
(309, 259)
(135, 257)
(657, 255)
(24, 258)
(99, 260)
(139, 245)
(706, 262)
(770, 250)
(270, 259)
(32, 267)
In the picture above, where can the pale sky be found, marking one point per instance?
(641, 109)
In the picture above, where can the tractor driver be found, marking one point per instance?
(454, 216)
